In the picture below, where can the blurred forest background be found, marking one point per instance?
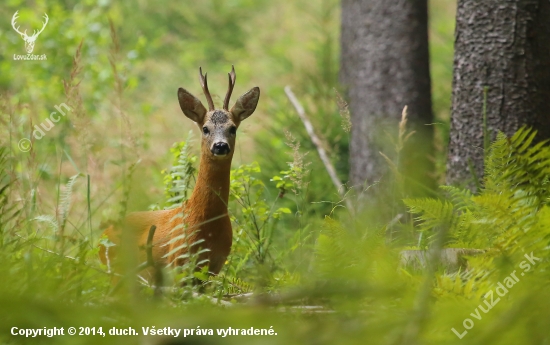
(318, 266)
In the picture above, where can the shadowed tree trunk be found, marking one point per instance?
(385, 66)
(502, 47)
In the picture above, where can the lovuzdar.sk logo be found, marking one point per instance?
(29, 39)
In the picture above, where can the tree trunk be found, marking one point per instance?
(385, 66)
(502, 47)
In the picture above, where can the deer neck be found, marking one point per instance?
(211, 191)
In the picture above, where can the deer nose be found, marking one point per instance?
(220, 149)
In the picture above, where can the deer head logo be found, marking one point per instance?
(29, 40)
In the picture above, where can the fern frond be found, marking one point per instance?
(431, 212)
(178, 181)
(65, 200)
(232, 285)
(51, 221)
(461, 198)
(515, 164)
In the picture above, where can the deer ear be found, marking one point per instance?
(246, 104)
(191, 106)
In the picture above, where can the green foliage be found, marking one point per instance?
(8, 211)
(255, 219)
(508, 217)
(516, 187)
(59, 264)
(433, 215)
(516, 164)
(351, 268)
(177, 182)
(231, 285)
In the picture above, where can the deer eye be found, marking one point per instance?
(233, 130)
(205, 130)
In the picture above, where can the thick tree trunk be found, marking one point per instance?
(502, 47)
(385, 66)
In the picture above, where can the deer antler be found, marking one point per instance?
(13, 23)
(204, 84)
(232, 77)
(43, 26)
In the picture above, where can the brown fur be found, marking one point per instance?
(204, 215)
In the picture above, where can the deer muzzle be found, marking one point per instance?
(220, 149)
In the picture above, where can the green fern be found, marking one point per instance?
(461, 198)
(516, 185)
(65, 200)
(432, 214)
(232, 285)
(516, 164)
(51, 221)
(509, 217)
(177, 183)
(332, 247)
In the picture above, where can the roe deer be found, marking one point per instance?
(204, 217)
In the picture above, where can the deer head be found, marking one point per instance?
(29, 40)
(218, 126)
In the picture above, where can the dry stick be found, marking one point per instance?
(318, 144)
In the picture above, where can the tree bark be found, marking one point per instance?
(385, 66)
(502, 47)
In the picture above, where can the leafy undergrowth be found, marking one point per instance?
(339, 283)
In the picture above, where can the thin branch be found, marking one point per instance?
(318, 144)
